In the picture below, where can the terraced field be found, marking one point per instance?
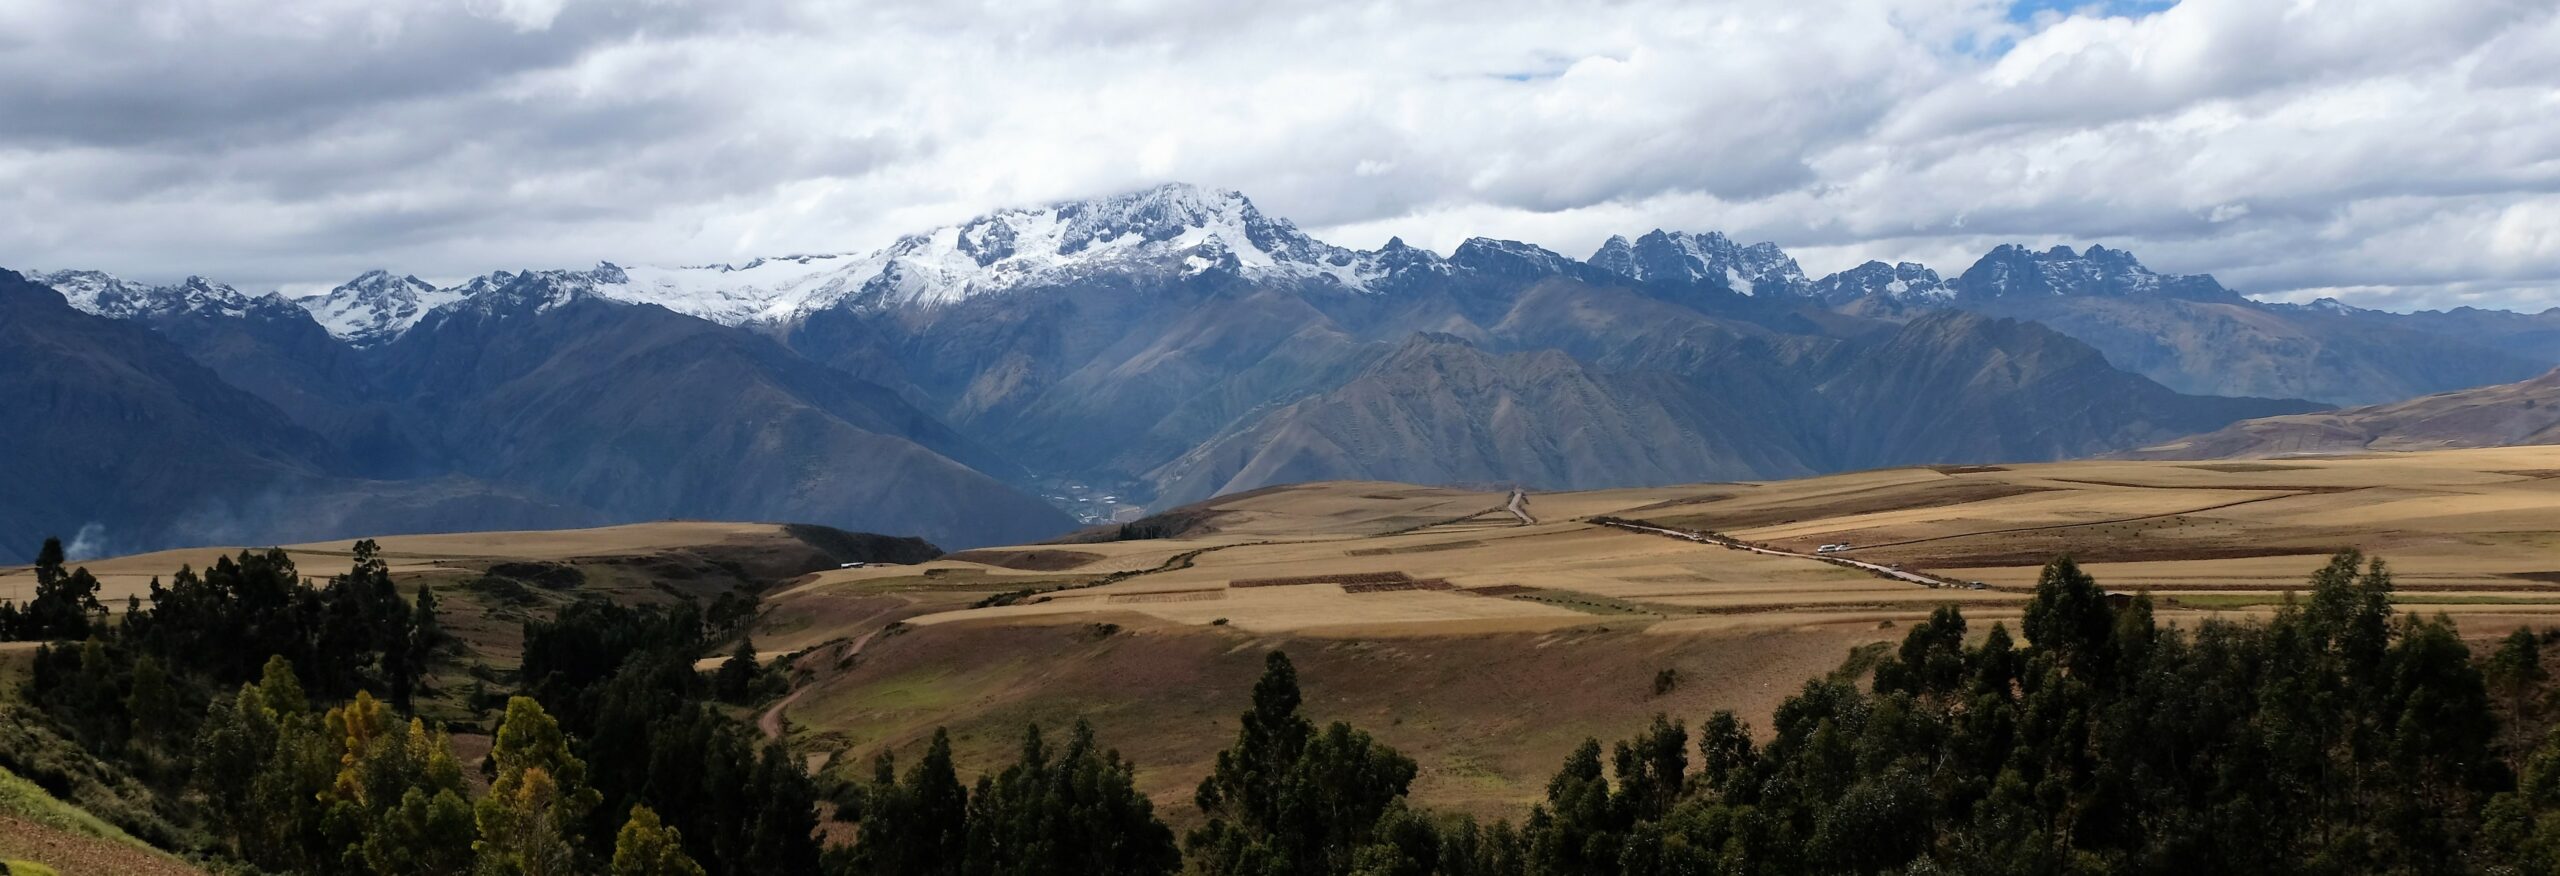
(1485, 639)
(1488, 646)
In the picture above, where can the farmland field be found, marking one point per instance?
(1485, 646)
(1549, 632)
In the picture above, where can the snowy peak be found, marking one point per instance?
(1710, 259)
(1170, 230)
(1512, 259)
(505, 293)
(106, 295)
(1901, 283)
(2011, 270)
(375, 307)
(97, 292)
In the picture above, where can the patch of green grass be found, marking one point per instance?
(24, 799)
(1587, 603)
(2431, 599)
(870, 710)
(15, 664)
(2227, 600)
(28, 868)
(1861, 661)
(2246, 600)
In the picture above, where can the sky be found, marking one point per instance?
(2391, 153)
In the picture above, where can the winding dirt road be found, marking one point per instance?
(771, 721)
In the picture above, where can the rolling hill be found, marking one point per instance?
(2522, 413)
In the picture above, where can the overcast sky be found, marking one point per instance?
(2393, 153)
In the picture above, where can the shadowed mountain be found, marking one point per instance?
(127, 444)
(1166, 344)
(1439, 410)
(1962, 387)
(1949, 387)
(641, 413)
(2193, 335)
(2526, 412)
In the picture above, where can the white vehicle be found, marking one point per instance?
(1831, 548)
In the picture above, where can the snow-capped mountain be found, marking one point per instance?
(1509, 258)
(1176, 228)
(110, 296)
(1168, 231)
(2011, 271)
(1711, 259)
(1156, 235)
(376, 307)
(1902, 282)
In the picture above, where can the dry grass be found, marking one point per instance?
(1488, 715)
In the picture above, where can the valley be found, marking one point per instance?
(1488, 647)
(1484, 633)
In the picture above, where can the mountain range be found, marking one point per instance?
(1145, 349)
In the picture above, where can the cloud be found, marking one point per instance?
(2402, 151)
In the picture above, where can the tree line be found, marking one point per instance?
(2339, 736)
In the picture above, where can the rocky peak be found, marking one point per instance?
(2010, 270)
(1898, 283)
(1709, 259)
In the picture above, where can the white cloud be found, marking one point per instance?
(2406, 151)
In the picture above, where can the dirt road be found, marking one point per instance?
(1878, 568)
(770, 723)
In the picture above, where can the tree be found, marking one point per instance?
(647, 847)
(281, 690)
(2515, 673)
(918, 827)
(406, 665)
(425, 835)
(65, 604)
(736, 680)
(1076, 812)
(152, 703)
(1287, 799)
(528, 820)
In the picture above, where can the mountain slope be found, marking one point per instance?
(2193, 335)
(118, 428)
(2246, 348)
(640, 413)
(1439, 410)
(1166, 343)
(2526, 412)
(1961, 387)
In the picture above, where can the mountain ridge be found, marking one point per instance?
(1151, 348)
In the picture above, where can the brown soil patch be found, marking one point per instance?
(1501, 590)
(1896, 497)
(1205, 595)
(2284, 488)
(1028, 561)
(1414, 549)
(1347, 579)
(2009, 552)
(1392, 586)
(2544, 577)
